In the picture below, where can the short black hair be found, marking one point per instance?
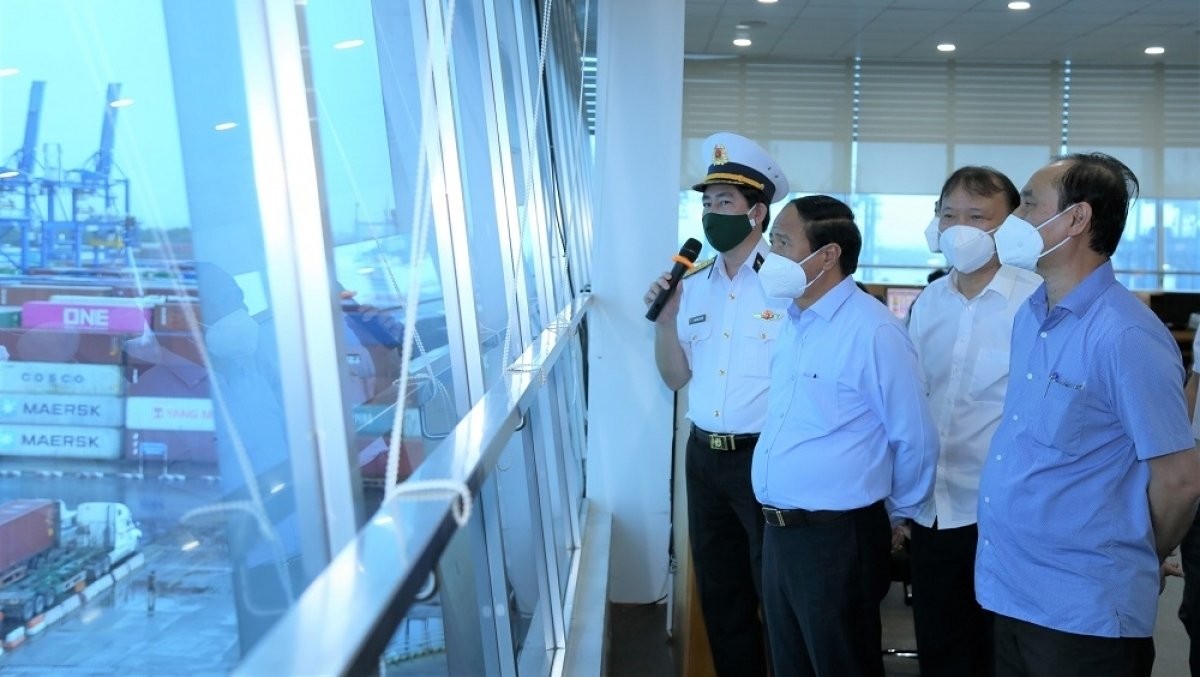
(981, 181)
(1108, 186)
(754, 196)
(830, 221)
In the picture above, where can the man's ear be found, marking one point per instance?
(1081, 219)
(832, 256)
(759, 212)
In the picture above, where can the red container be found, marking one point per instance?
(19, 294)
(171, 446)
(54, 345)
(27, 527)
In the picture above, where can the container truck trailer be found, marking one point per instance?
(48, 552)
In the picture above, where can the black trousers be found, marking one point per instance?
(822, 584)
(1189, 607)
(725, 524)
(1024, 649)
(954, 634)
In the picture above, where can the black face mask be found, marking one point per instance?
(726, 231)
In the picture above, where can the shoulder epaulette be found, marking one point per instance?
(699, 267)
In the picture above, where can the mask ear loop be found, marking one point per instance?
(1067, 238)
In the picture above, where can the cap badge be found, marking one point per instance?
(720, 157)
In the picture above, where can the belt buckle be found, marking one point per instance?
(720, 442)
(778, 515)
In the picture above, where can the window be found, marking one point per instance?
(909, 124)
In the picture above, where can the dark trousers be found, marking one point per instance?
(1024, 649)
(954, 634)
(725, 524)
(1189, 607)
(822, 587)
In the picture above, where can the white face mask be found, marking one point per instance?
(783, 278)
(931, 235)
(1019, 244)
(967, 249)
(235, 335)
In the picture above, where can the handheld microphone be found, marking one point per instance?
(683, 262)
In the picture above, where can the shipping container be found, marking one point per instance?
(177, 348)
(104, 318)
(20, 294)
(169, 413)
(72, 410)
(60, 442)
(54, 378)
(54, 345)
(173, 316)
(123, 301)
(170, 446)
(28, 527)
(10, 316)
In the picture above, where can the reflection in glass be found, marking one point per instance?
(139, 370)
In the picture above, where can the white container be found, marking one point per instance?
(72, 410)
(56, 378)
(169, 413)
(60, 442)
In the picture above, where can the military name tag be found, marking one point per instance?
(697, 319)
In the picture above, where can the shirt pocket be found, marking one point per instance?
(1058, 421)
(816, 401)
(758, 340)
(697, 333)
(987, 378)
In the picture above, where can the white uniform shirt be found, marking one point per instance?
(963, 346)
(727, 328)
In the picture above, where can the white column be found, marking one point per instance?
(638, 130)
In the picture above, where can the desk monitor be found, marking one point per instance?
(1175, 308)
(900, 299)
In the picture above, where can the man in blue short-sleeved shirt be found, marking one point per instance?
(1091, 479)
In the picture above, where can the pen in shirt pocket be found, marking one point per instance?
(1066, 384)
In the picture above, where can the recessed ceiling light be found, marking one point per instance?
(768, 2)
(5, 72)
(742, 42)
(1018, 5)
(224, 126)
(946, 47)
(1154, 51)
(121, 103)
(9, 173)
(349, 44)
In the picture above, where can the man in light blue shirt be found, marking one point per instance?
(848, 430)
(1091, 479)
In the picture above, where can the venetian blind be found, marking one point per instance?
(799, 111)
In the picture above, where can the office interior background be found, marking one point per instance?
(321, 347)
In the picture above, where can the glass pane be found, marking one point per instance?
(892, 227)
(1181, 233)
(559, 457)
(1137, 252)
(366, 82)
(143, 420)
(472, 92)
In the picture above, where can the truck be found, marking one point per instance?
(48, 552)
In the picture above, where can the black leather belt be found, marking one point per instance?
(799, 517)
(724, 441)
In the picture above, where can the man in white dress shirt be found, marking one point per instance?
(716, 332)
(962, 325)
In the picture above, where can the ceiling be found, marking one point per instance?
(1085, 31)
